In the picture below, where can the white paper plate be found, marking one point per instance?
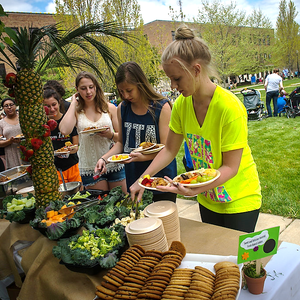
(94, 130)
(194, 185)
(141, 149)
(61, 153)
(120, 160)
(154, 150)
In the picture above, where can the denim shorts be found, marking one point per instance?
(110, 177)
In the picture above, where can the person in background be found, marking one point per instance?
(55, 85)
(90, 109)
(213, 122)
(143, 116)
(273, 85)
(68, 165)
(10, 129)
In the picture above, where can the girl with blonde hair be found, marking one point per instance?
(213, 122)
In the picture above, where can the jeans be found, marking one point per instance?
(272, 95)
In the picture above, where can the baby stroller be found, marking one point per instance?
(291, 107)
(253, 104)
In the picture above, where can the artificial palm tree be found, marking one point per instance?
(37, 50)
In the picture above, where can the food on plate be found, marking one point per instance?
(90, 128)
(153, 182)
(19, 136)
(198, 176)
(146, 145)
(120, 157)
(68, 144)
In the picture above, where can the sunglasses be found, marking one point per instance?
(8, 105)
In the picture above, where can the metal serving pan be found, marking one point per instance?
(13, 174)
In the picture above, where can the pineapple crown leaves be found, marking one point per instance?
(50, 46)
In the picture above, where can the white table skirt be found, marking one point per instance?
(286, 285)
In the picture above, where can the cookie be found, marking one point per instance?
(109, 286)
(104, 296)
(178, 247)
(106, 291)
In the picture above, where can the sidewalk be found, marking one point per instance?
(289, 228)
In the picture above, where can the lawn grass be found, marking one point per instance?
(275, 144)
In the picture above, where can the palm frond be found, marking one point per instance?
(48, 46)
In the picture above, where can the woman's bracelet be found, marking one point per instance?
(112, 136)
(104, 160)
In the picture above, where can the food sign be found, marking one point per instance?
(256, 245)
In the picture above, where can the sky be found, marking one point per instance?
(159, 9)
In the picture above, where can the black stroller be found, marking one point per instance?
(253, 104)
(291, 107)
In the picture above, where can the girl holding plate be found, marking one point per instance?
(10, 129)
(90, 109)
(143, 116)
(69, 164)
(213, 122)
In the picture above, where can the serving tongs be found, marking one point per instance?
(71, 210)
(134, 205)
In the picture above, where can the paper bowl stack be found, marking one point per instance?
(166, 211)
(147, 232)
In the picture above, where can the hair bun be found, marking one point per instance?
(184, 33)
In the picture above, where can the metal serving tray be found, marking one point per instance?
(13, 174)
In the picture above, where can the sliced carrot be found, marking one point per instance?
(189, 180)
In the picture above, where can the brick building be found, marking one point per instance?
(31, 20)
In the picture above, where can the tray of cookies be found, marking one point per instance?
(172, 274)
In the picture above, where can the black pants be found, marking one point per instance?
(242, 221)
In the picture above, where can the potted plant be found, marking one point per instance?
(255, 276)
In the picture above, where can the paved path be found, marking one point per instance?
(289, 228)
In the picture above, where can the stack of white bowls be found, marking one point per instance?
(167, 212)
(147, 232)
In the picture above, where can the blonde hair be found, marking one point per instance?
(189, 48)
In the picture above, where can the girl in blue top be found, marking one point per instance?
(143, 116)
(213, 122)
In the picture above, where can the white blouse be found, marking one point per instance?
(92, 147)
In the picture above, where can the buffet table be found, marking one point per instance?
(47, 279)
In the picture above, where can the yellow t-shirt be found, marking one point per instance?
(224, 129)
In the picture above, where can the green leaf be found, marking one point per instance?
(2, 12)
(8, 41)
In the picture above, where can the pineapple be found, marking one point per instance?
(36, 50)
(28, 91)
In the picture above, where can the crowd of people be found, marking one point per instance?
(210, 119)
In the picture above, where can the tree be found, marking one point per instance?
(287, 35)
(40, 49)
(261, 42)
(221, 27)
(127, 13)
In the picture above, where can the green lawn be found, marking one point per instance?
(275, 145)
